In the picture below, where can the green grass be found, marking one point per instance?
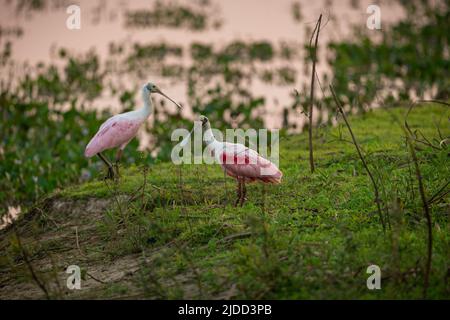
(313, 236)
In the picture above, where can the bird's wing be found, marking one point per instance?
(245, 154)
(107, 122)
(113, 133)
(240, 161)
(118, 117)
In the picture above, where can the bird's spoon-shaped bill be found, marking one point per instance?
(166, 96)
(198, 127)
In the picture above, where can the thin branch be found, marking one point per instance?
(313, 77)
(434, 101)
(410, 141)
(36, 279)
(94, 278)
(78, 242)
(236, 236)
(426, 211)
(143, 186)
(438, 195)
(114, 192)
(226, 192)
(375, 187)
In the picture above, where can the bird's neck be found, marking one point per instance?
(210, 140)
(147, 109)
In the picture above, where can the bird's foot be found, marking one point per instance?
(242, 201)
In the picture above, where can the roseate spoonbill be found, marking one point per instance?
(239, 162)
(120, 129)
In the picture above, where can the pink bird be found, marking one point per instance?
(239, 162)
(119, 130)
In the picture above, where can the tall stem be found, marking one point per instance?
(313, 76)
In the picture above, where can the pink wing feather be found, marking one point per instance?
(115, 132)
(250, 165)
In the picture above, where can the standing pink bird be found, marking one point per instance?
(119, 130)
(240, 162)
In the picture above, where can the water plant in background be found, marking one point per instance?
(45, 125)
(196, 16)
(410, 60)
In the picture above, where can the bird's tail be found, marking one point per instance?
(274, 178)
(89, 152)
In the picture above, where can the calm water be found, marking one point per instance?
(103, 22)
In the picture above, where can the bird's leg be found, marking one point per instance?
(110, 174)
(238, 192)
(118, 157)
(244, 193)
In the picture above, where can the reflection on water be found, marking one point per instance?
(168, 38)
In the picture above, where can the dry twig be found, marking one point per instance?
(313, 77)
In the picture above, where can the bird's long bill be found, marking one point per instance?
(186, 139)
(166, 96)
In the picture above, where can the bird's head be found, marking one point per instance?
(153, 88)
(205, 127)
(208, 136)
(205, 122)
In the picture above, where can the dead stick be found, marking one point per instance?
(435, 101)
(40, 284)
(410, 140)
(77, 241)
(426, 211)
(313, 76)
(438, 194)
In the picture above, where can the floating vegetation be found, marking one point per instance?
(282, 76)
(201, 51)
(152, 57)
(26, 6)
(155, 51)
(234, 61)
(286, 75)
(240, 51)
(246, 52)
(288, 51)
(15, 32)
(5, 54)
(171, 15)
(296, 11)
